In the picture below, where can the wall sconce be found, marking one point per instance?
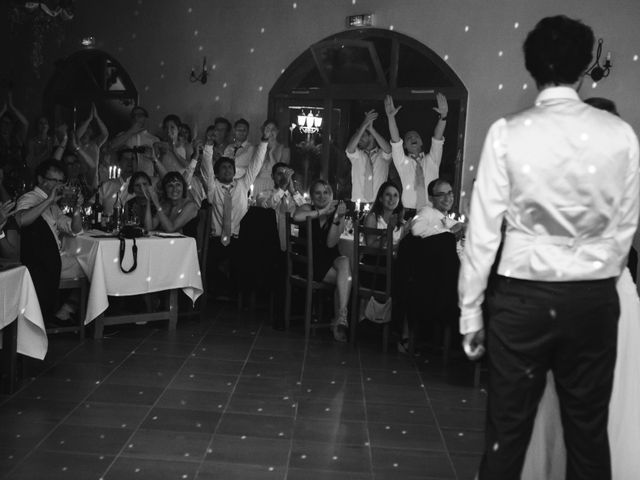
(597, 72)
(88, 42)
(309, 123)
(202, 77)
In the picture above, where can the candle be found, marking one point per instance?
(462, 218)
(110, 172)
(358, 205)
(251, 190)
(118, 172)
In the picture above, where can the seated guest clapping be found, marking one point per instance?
(283, 198)
(435, 220)
(175, 211)
(387, 210)
(135, 208)
(328, 265)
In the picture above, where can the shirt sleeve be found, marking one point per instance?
(256, 164)
(629, 207)
(270, 199)
(397, 153)
(207, 171)
(435, 152)
(488, 206)
(355, 156)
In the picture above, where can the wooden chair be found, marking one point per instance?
(376, 274)
(203, 230)
(300, 253)
(81, 284)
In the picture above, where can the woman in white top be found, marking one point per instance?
(276, 153)
(386, 210)
(171, 151)
(88, 144)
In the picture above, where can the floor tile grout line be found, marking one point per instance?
(366, 414)
(81, 402)
(209, 448)
(435, 417)
(117, 456)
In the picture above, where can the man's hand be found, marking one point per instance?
(56, 194)
(369, 117)
(389, 108)
(473, 344)
(443, 107)
(458, 230)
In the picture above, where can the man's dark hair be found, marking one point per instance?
(226, 122)
(50, 164)
(558, 50)
(172, 177)
(221, 161)
(242, 121)
(277, 166)
(603, 104)
(171, 118)
(434, 183)
(138, 108)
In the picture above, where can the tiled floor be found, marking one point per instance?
(233, 399)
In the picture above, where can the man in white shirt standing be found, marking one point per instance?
(240, 149)
(563, 176)
(229, 198)
(370, 155)
(283, 198)
(42, 225)
(139, 139)
(416, 168)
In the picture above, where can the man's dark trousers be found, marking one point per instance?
(569, 328)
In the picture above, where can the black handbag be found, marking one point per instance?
(132, 232)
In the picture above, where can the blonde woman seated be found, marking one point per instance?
(175, 211)
(328, 265)
(386, 210)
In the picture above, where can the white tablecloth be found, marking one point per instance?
(19, 301)
(163, 264)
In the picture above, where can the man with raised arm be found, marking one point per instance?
(370, 155)
(416, 168)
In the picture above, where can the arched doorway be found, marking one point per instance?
(348, 74)
(90, 76)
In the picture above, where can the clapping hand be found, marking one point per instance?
(5, 211)
(389, 108)
(330, 208)
(341, 210)
(443, 107)
(370, 117)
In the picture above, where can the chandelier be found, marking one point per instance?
(309, 123)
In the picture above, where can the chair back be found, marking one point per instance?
(373, 261)
(299, 250)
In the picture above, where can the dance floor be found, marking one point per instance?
(230, 398)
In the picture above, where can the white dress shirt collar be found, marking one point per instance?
(556, 93)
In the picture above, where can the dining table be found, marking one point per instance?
(165, 262)
(22, 327)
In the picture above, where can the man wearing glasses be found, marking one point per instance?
(434, 220)
(42, 224)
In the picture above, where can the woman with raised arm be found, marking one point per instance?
(87, 145)
(175, 210)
